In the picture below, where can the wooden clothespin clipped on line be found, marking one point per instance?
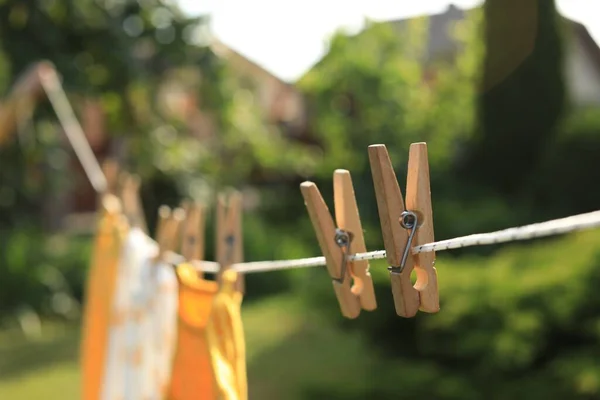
(167, 230)
(129, 192)
(337, 244)
(397, 221)
(192, 241)
(110, 168)
(126, 187)
(229, 247)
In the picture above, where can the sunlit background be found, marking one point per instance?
(196, 97)
(275, 34)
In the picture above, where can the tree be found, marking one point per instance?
(123, 53)
(523, 94)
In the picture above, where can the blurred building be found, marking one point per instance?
(582, 54)
(281, 102)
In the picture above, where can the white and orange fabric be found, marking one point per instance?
(99, 292)
(151, 333)
(143, 324)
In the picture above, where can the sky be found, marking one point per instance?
(288, 37)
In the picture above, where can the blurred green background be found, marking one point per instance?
(498, 93)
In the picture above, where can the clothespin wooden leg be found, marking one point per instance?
(348, 219)
(395, 237)
(110, 168)
(130, 196)
(418, 200)
(229, 244)
(167, 230)
(192, 244)
(326, 233)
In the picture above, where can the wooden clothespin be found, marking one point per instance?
(337, 244)
(132, 204)
(110, 168)
(110, 204)
(167, 230)
(192, 240)
(400, 233)
(229, 248)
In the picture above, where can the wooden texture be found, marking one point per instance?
(229, 246)
(167, 230)
(395, 238)
(347, 218)
(325, 232)
(162, 227)
(132, 203)
(111, 168)
(25, 94)
(192, 241)
(418, 199)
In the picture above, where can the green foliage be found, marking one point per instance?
(515, 323)
(523, 94)
(522, 318)
(129, 55)
(42, 272)
(561, 182)
(372, 88)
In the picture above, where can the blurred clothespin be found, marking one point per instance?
(110, 204)
(404, 228)
(229, 248)
(337, 244)
(167, 230)
(130, 196)
(192, 238)
(110, 168)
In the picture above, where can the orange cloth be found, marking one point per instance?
(210, 360)
(192, 375)
(226, 340)
(100, 287)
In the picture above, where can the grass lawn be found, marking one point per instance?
(288, 352)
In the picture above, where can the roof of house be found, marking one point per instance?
(440, 40)
(279, 90)
(239, 60)
(587, 41)
(438, 37)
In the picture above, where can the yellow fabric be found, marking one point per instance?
(192, 376)
(100, 287)
(226, 341)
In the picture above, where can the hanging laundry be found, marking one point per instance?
(100, 287)
(193, 375)
(226, 340)
(142, 326)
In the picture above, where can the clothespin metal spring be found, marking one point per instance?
(408, 220)
(343, 239)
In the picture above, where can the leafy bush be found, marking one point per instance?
(41, 272)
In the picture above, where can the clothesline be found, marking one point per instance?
(527, 232)
(543, 229)
(92, 168)
(73, 130)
